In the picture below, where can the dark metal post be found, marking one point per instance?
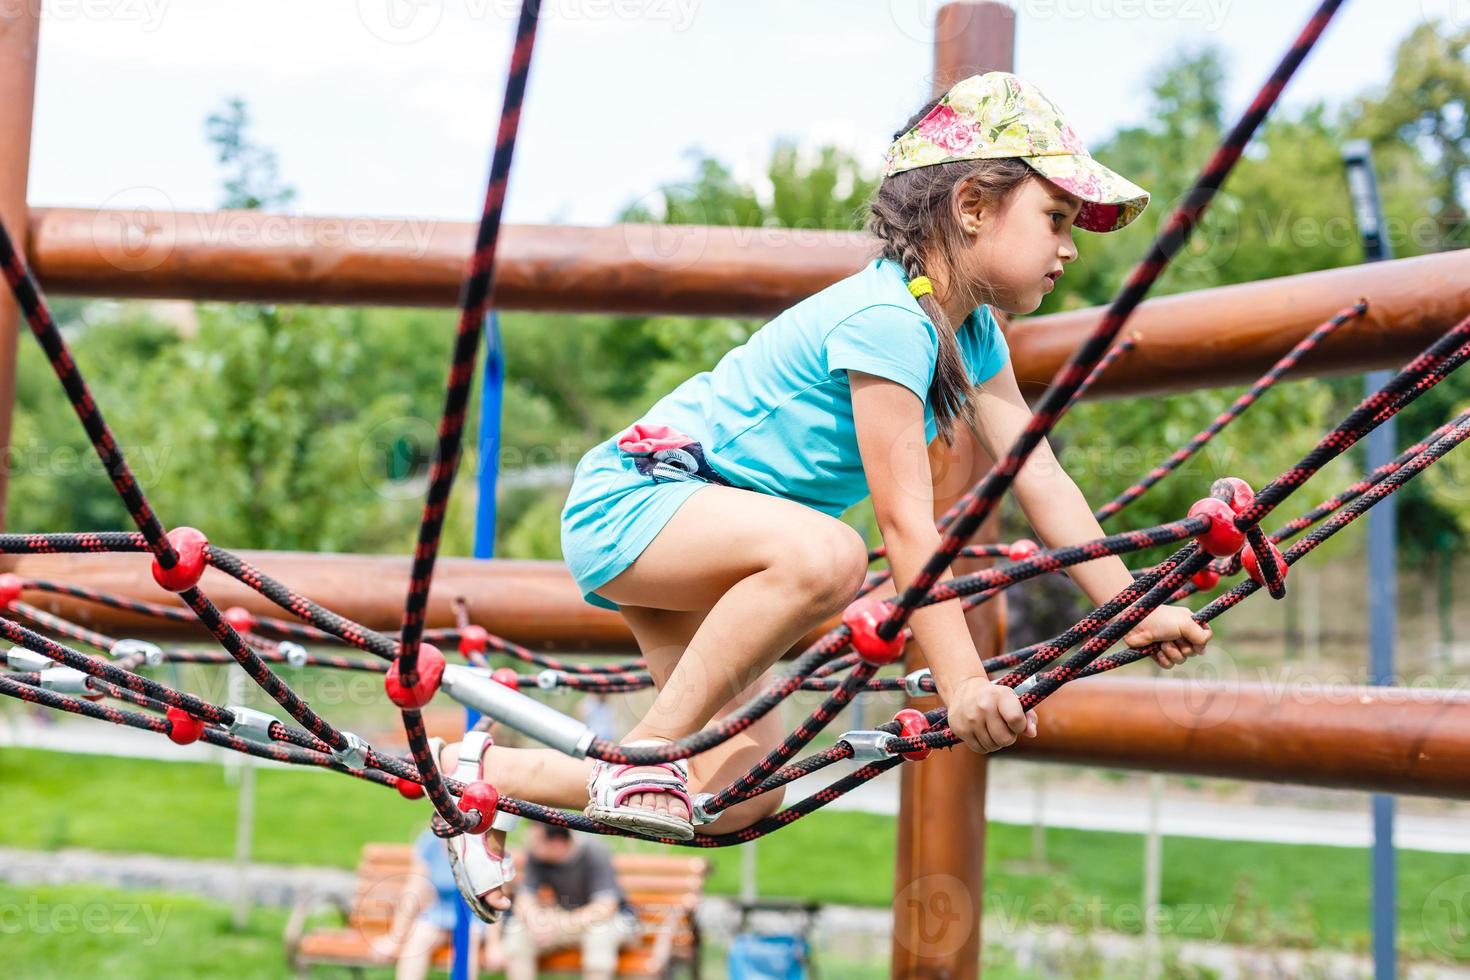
(1382, 572)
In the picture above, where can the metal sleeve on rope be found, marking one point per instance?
(474, 689)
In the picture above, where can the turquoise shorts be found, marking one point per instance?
(612, 513)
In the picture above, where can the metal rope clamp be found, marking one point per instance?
(913, 683)
(354, 754)
(251, 725)
(19, 658)
(698, 815)
(548, 679)
(151, 652)
(294, 653)
(868, 745)
(67, 680)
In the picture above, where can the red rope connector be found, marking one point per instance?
(473, 639)
(1234, 491)
(912, 724)
(507, 677)
(430, 669)
(1253, 567)
(408, 789)
(1021, 549)
(10, 588)
(481, 796)
(1205, 579)
(183, 728)
(241, 620)
(1222, 538)
(189, 544)
(862, 619)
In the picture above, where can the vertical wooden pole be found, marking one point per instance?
(939, 878)
(20, 28)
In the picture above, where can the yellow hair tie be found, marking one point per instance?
(921, 286)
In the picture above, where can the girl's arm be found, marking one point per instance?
(890, 430)
(1061, 516)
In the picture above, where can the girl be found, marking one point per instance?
(712, 524)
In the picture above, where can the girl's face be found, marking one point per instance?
(1021, 246)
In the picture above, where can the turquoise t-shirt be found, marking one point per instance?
(775, 414)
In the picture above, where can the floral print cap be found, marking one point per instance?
(998, 115)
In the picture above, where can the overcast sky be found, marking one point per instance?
(387, 107)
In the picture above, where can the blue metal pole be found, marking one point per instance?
(1382, 574)
(491, 398)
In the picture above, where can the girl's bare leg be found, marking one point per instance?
(767, 570)
(734, 580)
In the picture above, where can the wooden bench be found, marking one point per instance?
(389, 891)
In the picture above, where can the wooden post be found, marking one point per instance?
(20, 29)
(940, 872)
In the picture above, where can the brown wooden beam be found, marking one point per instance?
(20, 29)
(254, 256)
(1375, 739)
(1213, 337)
(1231, 334)
(533, 603)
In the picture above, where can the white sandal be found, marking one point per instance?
(475, 871)
(611, 783)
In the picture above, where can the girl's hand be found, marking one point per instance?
(988, 716)
(1173, 628)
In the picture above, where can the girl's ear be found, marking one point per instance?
(970, 207)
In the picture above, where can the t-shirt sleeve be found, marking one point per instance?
(602, 881)
(989, 352)
(887, 342)
(529, 877)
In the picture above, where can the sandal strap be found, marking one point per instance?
(471, 769)
(485, 871)
(611, 783)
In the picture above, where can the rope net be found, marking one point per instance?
(1220, 536)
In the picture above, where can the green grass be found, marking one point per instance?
(73, 931)
(1212, 890)
(69, 931)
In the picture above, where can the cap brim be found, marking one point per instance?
(1109, 200)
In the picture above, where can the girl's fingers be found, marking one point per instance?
(1197, 634)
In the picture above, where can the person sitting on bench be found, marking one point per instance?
(567, 895)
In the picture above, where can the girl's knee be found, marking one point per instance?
(827, 569)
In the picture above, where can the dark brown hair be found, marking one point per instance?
(916, 217)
